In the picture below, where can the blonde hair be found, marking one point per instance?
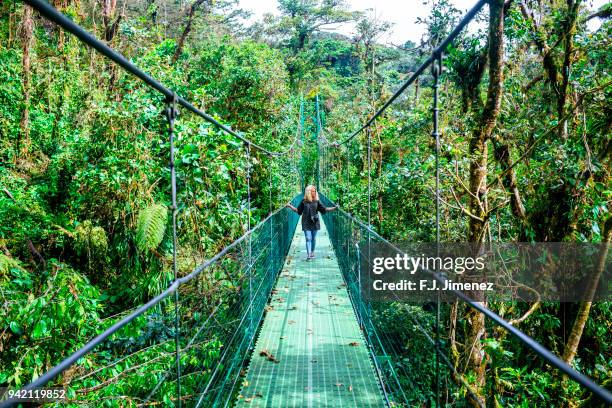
(311, 194)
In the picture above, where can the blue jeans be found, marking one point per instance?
(310, 241)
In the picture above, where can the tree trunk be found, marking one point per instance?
(557, 76)
(570, 31)
(60, 5)
(539, 38)
(109, 8)
(502, 155)
(571, 347)
(181, 42)
(11, 20)
(487, 122)
(478, 186)
(452, 332)
(27, 29)
(478, 182)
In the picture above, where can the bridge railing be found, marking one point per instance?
(414, 361)
(221, 303)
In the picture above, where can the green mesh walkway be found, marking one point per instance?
(310, 351)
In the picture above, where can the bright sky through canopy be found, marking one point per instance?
(402, 13)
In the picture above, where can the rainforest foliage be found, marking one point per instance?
(84, 220)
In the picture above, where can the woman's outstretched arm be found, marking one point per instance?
(299, 209)
(324, 209)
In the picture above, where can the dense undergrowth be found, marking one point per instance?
(84, 233)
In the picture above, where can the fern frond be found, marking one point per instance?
(151, 227)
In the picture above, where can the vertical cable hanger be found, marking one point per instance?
(348, 176)
(247, 147)
(171, 114)
(270, 189)
(302, 171)
(369, 136)
(318, 181)
(321, 149)
(348, 230)
(271, 221)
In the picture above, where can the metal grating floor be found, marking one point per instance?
(310, 351)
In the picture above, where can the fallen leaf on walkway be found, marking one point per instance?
(265, 353)
(291, 322)
(249, 399)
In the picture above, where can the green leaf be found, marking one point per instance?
(151, 227)
(40, 329)
(15, 327)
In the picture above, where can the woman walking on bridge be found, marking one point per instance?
(309, 209)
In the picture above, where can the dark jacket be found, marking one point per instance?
(310, 214)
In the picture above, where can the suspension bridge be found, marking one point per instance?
(287, 333)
